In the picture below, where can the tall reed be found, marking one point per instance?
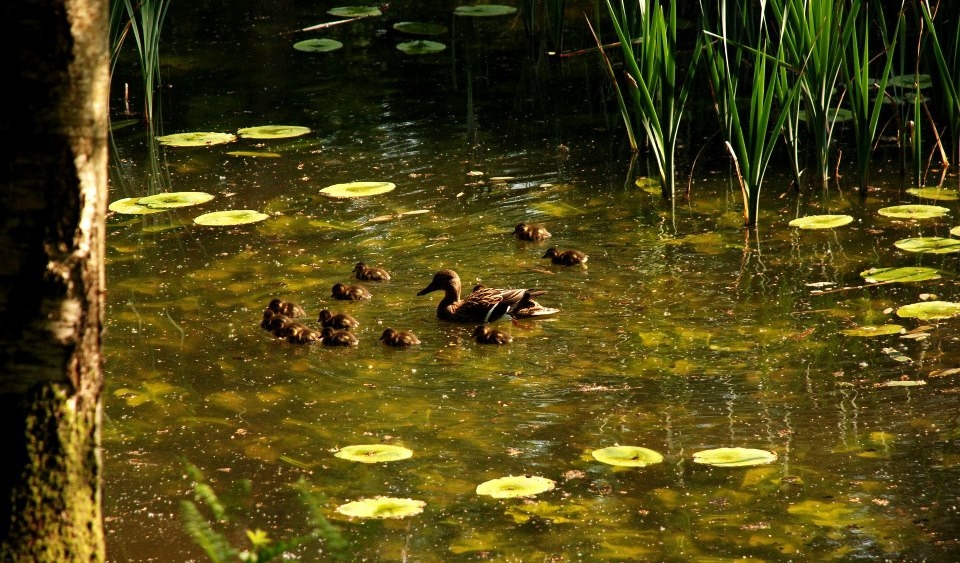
(946, 55)
(144, 21)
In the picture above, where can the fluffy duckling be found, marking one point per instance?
(484, 334)
(399, 338)
(333, 337)
(287, 308)
(341, 321)
(531, 231)
(302, 334)
(370, 273)
(566, 257)
(350, 292)
(280, 325)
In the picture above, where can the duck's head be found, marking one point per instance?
(442, 280)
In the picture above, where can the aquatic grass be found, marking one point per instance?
(948, 71)
(144, 20)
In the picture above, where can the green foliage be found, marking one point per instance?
(144, 21)
(946, 55)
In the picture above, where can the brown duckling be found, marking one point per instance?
(566, 257)
(399, 338)
(484, 334)
(350, 292)
(486, 304)
(340, 321)
(280, 325)
(370, 273)
(333, 337)
(531, 231)
(302, 334)
(287, 308)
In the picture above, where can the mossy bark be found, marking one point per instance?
(53, 192)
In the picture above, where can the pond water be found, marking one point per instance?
(682, 333)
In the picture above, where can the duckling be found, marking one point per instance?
(281, 325)
(267, 316)
(531, 231)
(341, 321)
(399, 338)
(350, 292)
(287, 308)
(333, 337)
(484, 334)
(302, 334)
(370, 273)
(566, 257)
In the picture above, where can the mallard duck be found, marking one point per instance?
(340, 321)
(486, 304)
(484, 334)
(350, 292)
(333, 337)
(399, 338)
(370, 273)
(531, 231)
(287, 308)
(302, 334)
(566, 257)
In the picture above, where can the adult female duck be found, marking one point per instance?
(485, 304)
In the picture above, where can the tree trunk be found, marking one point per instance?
(53, 191)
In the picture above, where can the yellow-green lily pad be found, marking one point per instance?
(317, 45)
(420, 28)
(734, 457)
(196, 139)
(627, 456)
(874, 330)
(935, 193)
(173, 200)
(930, 310)
(955, 231)
(649, 185)
(914, 211)
(373, 453)
(355, 11)
(515, 486)
(273, 131)
(358, 189)
(421, 47)
(255, 154)
(929, 245)
(230, 218)
(130, 206)
(382, 507)
(483, 10)
(903, 275)
(821, 221)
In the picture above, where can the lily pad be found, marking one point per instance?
(196, 139)
(515, 486)
(955, 231)
(649, 185)
(317, 45)
(173, 200)
(873, 330)
(230, 218)
(131, 206)
(255, 154)
(421, 47)
(382, 507)
(734, 457)
(902, 383)
(273, 131)
(929, 245)
(935, 193)
(930, 310)
(821, 221)
(910, 80)
(373, 453)
(355, 11)
(484, 10)
(903, 275)
(420, 28)
(914, 211)
(358, 189)
(627, 456)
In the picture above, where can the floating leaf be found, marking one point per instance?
(838, 115)
(483, 10)
(734, 457)
(358, 189)
(826, 514)
(930, 310)
(914, 211)
(355, 11)
(373, 453)
(420, 28)
(821, 221)
(230, 218)
(902, 383)
(627, 456)
(130, 206)
(955, 231)
(317, 45)
(910, 81)
(903, 275)
(935, 193)
(518, 486)
(421, 47)
(929, 245)
(172, 200)
(197, 139)
(877, 330)
(382, 507)
(649, 185)
(255, 154)
(273, 131)
(546, 512)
